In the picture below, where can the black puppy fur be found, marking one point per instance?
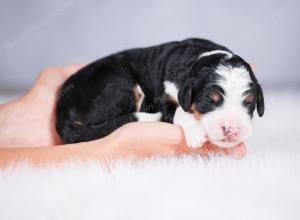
(100, 97)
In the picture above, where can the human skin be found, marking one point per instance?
(27, 131)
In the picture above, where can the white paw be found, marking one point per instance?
(144, 116)
(194, 136)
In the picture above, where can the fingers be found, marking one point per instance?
(62, 71)
(237, 152)
(208, 149)
(55, 76)
(71, 69)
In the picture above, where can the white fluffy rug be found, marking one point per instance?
(264, 185)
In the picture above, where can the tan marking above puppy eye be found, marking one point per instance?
(215, 96)
(249, 98)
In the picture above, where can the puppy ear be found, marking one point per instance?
(260, 104)
(185, 95)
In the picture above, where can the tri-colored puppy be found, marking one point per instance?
(175, 82)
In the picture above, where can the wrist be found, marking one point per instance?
(10, 120)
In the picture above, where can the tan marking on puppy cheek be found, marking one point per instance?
(196, 114)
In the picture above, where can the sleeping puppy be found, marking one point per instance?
(177, 82)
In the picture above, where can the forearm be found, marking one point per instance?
(131, 141)
(121, 144)
(100, 150)
(10, 134)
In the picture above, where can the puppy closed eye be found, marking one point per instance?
(215, 96)
(249, 99)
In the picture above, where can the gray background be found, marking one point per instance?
(36, 34)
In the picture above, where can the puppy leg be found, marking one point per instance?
(194, 133)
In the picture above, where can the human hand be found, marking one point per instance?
(30, 120)
(146, 139)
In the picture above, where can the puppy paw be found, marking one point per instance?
(194, 136)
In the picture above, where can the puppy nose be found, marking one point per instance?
(230, 132)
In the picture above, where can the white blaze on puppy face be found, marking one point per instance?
(231, 114)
